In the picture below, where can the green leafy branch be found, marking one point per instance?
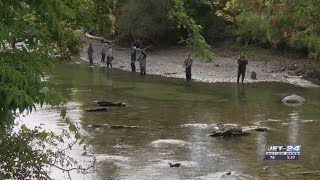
(194, 40)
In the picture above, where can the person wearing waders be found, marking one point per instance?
(90, 54)
(143, 62)
(109, 56)
(188, 64)
(133, 58)
(242, 63)
(104, 52)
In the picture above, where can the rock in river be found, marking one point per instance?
(293, 100)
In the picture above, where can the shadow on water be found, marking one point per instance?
(174, 119)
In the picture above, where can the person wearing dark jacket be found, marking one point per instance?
(187, 64)
(90, 54)
(133, 55)
(242, 63)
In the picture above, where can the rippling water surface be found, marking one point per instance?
(173, 121)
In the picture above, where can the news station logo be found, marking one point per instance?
(284, 152)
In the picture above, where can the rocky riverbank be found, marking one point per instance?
(169, 62)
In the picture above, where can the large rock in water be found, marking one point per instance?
(293, 100)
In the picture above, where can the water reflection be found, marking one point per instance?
(261, 142)
(293, 127)
(241, 102)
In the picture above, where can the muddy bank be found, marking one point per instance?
(169, 63)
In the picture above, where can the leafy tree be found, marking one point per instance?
(96, 16)
(33, 35)
(194, 40)
(274, 23)
(143, 20)
(159, 21)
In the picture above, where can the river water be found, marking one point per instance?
(173, 121)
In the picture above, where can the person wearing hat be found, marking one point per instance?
(104, 52)
(90, 54)
(188, 63)
(143, 62)
(109, 56)
(242, 63)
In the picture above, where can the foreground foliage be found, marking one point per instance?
(33, 35)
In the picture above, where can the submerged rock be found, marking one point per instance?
(97, 109)
(109, 104)
(293, 100)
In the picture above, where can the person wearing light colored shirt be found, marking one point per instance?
(143, 62)
(109, 56)
(104, 52)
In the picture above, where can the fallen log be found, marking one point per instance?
(261, 129)
(168, 73)
(306, 173)
(139, 49)
(98, 38)
(256, 128)
(97, 109)
(97, 125)
(229, 132)
(110, 104)
(121, 126)
(120, 49)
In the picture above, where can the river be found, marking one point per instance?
(173, 121)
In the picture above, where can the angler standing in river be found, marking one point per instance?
(188, 63)
(104, 52)
(133, 58)
(90, 54)
(242, 61)
(143, 62)
(109, 56)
